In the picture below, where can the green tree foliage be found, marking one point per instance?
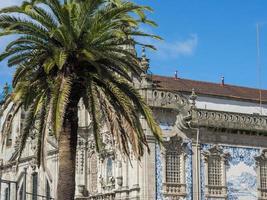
(73, 50)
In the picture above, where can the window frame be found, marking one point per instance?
(260, 160)
(174, 189)
(216, 190)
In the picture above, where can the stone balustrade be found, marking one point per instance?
(263, 194)
(174, 189)
(229, 120)
(216, 191)
(166, 99)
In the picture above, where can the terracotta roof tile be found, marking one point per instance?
(208, 88)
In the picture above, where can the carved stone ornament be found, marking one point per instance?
(33, 164)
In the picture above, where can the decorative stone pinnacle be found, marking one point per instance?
(143, 53)
(6, 89)
(144, 60)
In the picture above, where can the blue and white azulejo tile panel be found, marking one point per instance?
(241, 174)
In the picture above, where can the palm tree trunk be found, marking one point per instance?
(67, 154)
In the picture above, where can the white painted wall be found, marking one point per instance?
(228, 105)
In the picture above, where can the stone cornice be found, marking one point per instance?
(228, 120)
(166, 100)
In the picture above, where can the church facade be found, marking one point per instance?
(215, 148)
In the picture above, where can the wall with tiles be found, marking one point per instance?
(241, 174)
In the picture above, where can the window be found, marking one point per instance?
(214, 171)
(34, 186)
(109, 169)
(7, 193)
(174, 167)
(215, 161)
(263, 174)
(173, 173)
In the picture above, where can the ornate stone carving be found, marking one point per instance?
(33, 164)
(165, 99)
(228, 120)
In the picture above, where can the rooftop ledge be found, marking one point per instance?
(229, 120)
(190, 115)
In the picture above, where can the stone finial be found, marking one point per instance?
(193, 98)
(144, 60)
(6, 89)
(143, 53)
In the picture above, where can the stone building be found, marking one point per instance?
(215, 147)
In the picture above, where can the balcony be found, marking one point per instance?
(174, 190)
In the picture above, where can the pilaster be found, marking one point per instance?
(196, 171)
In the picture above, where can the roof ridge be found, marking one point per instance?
(214, 83)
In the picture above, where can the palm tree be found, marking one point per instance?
(71, 51)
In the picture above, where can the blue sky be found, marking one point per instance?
(203, 40)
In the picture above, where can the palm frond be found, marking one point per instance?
(60, 99)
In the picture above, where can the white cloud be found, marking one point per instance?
(167, 49)
(178, 48)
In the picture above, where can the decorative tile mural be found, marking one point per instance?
(188, 173)
(159, 195)
(240, 173)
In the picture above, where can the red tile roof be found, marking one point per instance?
(207, 88)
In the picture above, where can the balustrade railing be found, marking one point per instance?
(174, 189)
(221, 119)
(216, 191)
(263, 194)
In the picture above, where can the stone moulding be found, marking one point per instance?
(167, 100)
(229, 120)
(190, 116)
